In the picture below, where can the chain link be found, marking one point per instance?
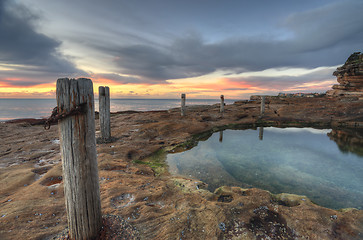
(55, 116)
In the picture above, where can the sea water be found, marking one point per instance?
(301, 161)
(39, 108)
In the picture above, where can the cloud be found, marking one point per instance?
(21, 45)
(316, 81)
(325, 36)
(116, 78)
(17, 83)
(331, 26)
(235, 89)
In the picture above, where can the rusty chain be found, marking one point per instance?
(55, 116)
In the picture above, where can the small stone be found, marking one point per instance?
(334, 217)
(222, 226)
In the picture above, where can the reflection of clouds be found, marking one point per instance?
(297, 130)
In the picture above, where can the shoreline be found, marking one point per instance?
(163, 206)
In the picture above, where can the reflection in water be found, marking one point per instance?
(221, 136)
(348, 140)
(293, 160)
(260, 134)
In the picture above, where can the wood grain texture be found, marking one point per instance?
(104, 109)
(79, 158)
(222, 104)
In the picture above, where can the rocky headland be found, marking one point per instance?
(349, 77)
(137, 188)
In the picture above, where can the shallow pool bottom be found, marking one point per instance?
(301, 161)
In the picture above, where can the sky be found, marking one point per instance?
(162, 48)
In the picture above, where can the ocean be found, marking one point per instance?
(40, 108)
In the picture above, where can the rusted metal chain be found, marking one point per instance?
(55, 116)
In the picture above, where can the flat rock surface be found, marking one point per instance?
(161, 206)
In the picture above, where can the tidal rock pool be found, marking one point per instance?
(325, 165)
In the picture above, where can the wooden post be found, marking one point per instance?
(220, 136)
(104, 109)
(183, 104)
(222, 104)
(262, 105)
(79, 158)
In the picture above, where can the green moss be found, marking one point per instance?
(156, 161)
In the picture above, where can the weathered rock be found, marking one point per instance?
(163, 206)
(349, 77)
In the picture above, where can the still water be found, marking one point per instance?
(304, 161)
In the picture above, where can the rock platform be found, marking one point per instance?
(139, 189)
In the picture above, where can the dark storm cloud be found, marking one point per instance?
(20, 43)
(324, 36)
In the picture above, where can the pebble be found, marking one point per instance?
(222, 226)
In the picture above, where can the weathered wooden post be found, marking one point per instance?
(183, 104)
(220, 136)
(222, 104)
(262, 105)
(79, 158)
(104, 109)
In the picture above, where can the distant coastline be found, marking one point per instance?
(17, 108)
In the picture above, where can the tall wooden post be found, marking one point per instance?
(182, 104)
(104, 109)
(222, 104)
(262, 105)
(79, 158)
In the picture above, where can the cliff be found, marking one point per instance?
(349, 77)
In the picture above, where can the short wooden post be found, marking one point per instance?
(183, 104)
(79, 158)
(220, 136)
(222, 104)
(104, 109)
(262, 105)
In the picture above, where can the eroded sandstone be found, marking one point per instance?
(161, 206)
